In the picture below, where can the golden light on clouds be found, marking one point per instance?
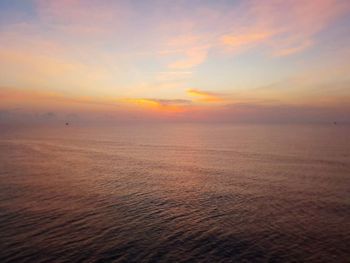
(202, 96)
(168, 106)
(93, 53)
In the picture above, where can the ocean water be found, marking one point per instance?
(175, 193)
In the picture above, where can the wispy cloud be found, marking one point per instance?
(190, 50)
(194, 56)
(204, 96)
(286, 51)
(285, 27)
(95, 52)
(242, 41)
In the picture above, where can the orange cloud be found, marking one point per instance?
(245, 39)
(202, 96)
(158, 104)
(47, 100)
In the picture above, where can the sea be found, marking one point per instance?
(175, 192)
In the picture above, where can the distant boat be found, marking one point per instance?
(67, 123)
(335, 123)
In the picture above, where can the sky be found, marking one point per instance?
(197, 60)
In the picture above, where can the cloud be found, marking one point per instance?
(175, 105)
(129, 49)
(203, 96)
(238, 42)
(285, 27)
(194, 56)
(292, 50)
(279, 28)
(190, 50)
(173, 102)
(29, 107)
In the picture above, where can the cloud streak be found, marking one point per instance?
(286, 27)
(204, 96)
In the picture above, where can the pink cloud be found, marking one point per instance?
(286, 27)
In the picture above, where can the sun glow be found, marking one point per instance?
(188, 57)
(156, 105)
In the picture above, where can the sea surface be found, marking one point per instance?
(175, 193)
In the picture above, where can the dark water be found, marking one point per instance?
(175, 193)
